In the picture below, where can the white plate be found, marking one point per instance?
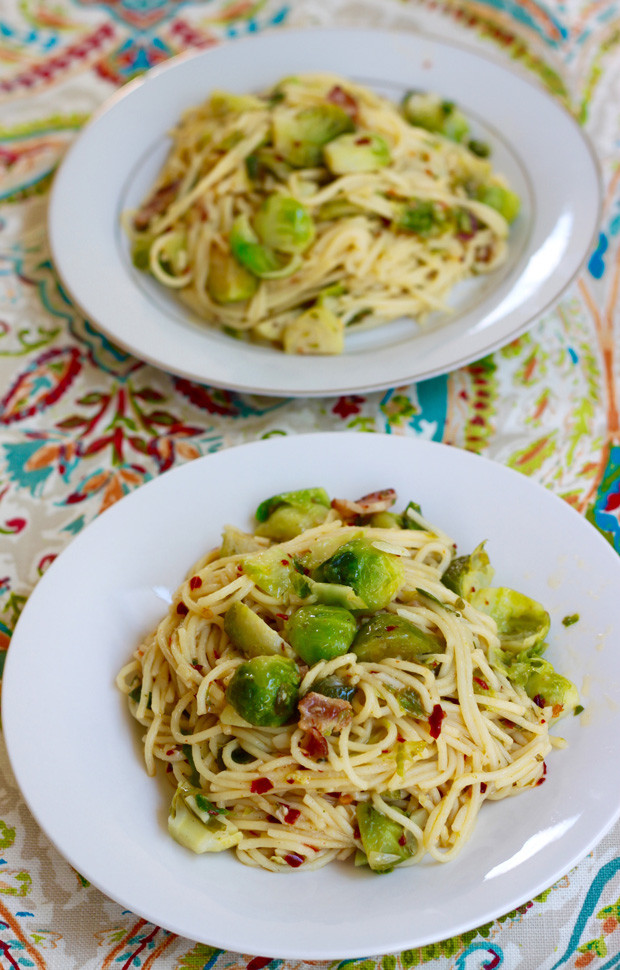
(111, 166)
(75, 750)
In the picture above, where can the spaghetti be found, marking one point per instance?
(318, 209)
(299, 725)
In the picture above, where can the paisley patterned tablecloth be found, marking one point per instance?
(83, 423)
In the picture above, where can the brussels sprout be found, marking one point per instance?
(249, 633)
(265, 690)
(235, 542)
(195, 825)
(316, 331)
(284, 224)
(285, 516)
(480, 148)
(522, 623)
(504, 200)
(223, 102)
(319, 632)
(361, 151)
(425, 110)
(376, 576)
(389, 635)
(228, 282)
(548, 689)
(270, 572)
(466, 574)
(422, 217)
(334, 686)
(385, 842)
(254, 256)
(331, 594)
(299, 135)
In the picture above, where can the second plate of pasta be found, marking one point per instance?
(390, 274)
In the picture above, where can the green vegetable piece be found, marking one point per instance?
(548, 689)
(203, 832)
(316, 331)
(299, 135)
(422, 217)
(265, 690)
(389, 635)
(385, 842)
(410, 702)
(427, 110)
(140, 253)
(569, 620)
(255, 257)
(361, 151)
(271, 572)
(285, 516)
(333, 594)
(319, 632)
(479, 148)
(522, 623)
(338, 209)
(334, 686)
(386, 520)
(250, 634)
(505, 201)
(466, 574)
(284, 224)
(224, 102)
(235, 542)
(375, 575)
(228, 282)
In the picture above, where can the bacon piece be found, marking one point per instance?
(344, 100)
(366, 505)
(323, 714)
(158, 203)
(314, 745)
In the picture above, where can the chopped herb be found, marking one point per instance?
(579, 709)
(569, 620)
(194, 778)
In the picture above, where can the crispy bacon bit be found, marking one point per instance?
(344, 100)
(291, 815)
(481, 683)
(293, 859)
(182, 609)
(158, 203)
(195, 582)
(260, 785)
(314, 744)
(323, 714)
(366, 505)
(435, 719)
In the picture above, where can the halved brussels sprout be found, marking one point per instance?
(389, 635)
(228, 282)
(200, 829)
(285, 516)
(522, 623)
(250, 634)
(335, 686)
(270, 573)
(235, 542)
(466, 574)
(427, 110)
(316, 331)
(360, 151)
(385, 842)
(375, 575)
(256, 257)
(265, 690)
(299, 135)
(331, 594)
(504, 200)
(319, 632)
(224, 102)
(284, 224)
(549, 689)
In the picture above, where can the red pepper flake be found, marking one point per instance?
(260, 785)
(388, 629)
(557, 709)
(293, 859)
(435, 719)
(282, 616)
(364, 140)
(403, 839)
(171, 751)
(539, 700)
(239, 568)
(291, 816)
(400, 738)
(182, 609)
(285, 562)
(195, 582)
(481, 683)
(483, 787)
(272, 818)
(356, 833)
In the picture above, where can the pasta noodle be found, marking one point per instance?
(320, 208)
(388, 748)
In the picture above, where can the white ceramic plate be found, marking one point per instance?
(87, 786)
(112, 165)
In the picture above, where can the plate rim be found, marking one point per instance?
(287, 389)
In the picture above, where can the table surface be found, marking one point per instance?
(545, 405)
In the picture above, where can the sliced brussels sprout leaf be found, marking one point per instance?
(375, 576)
(338, 209)
(503, 200)
(466, 574)
(385, 843)
(319, 632)
(284, 224)
(315, 331)
(202, 832)
(235, 542)
(250, 634)
(389, 635)
(254, 256)
(360, 151)
(228, 281)
(430, 111)
(549, 689)
(265, 690)
(299, 135)
(285, 516)
(522, 623)
(270, 572)
(224, 102)
(335, 686)
(331, 594)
